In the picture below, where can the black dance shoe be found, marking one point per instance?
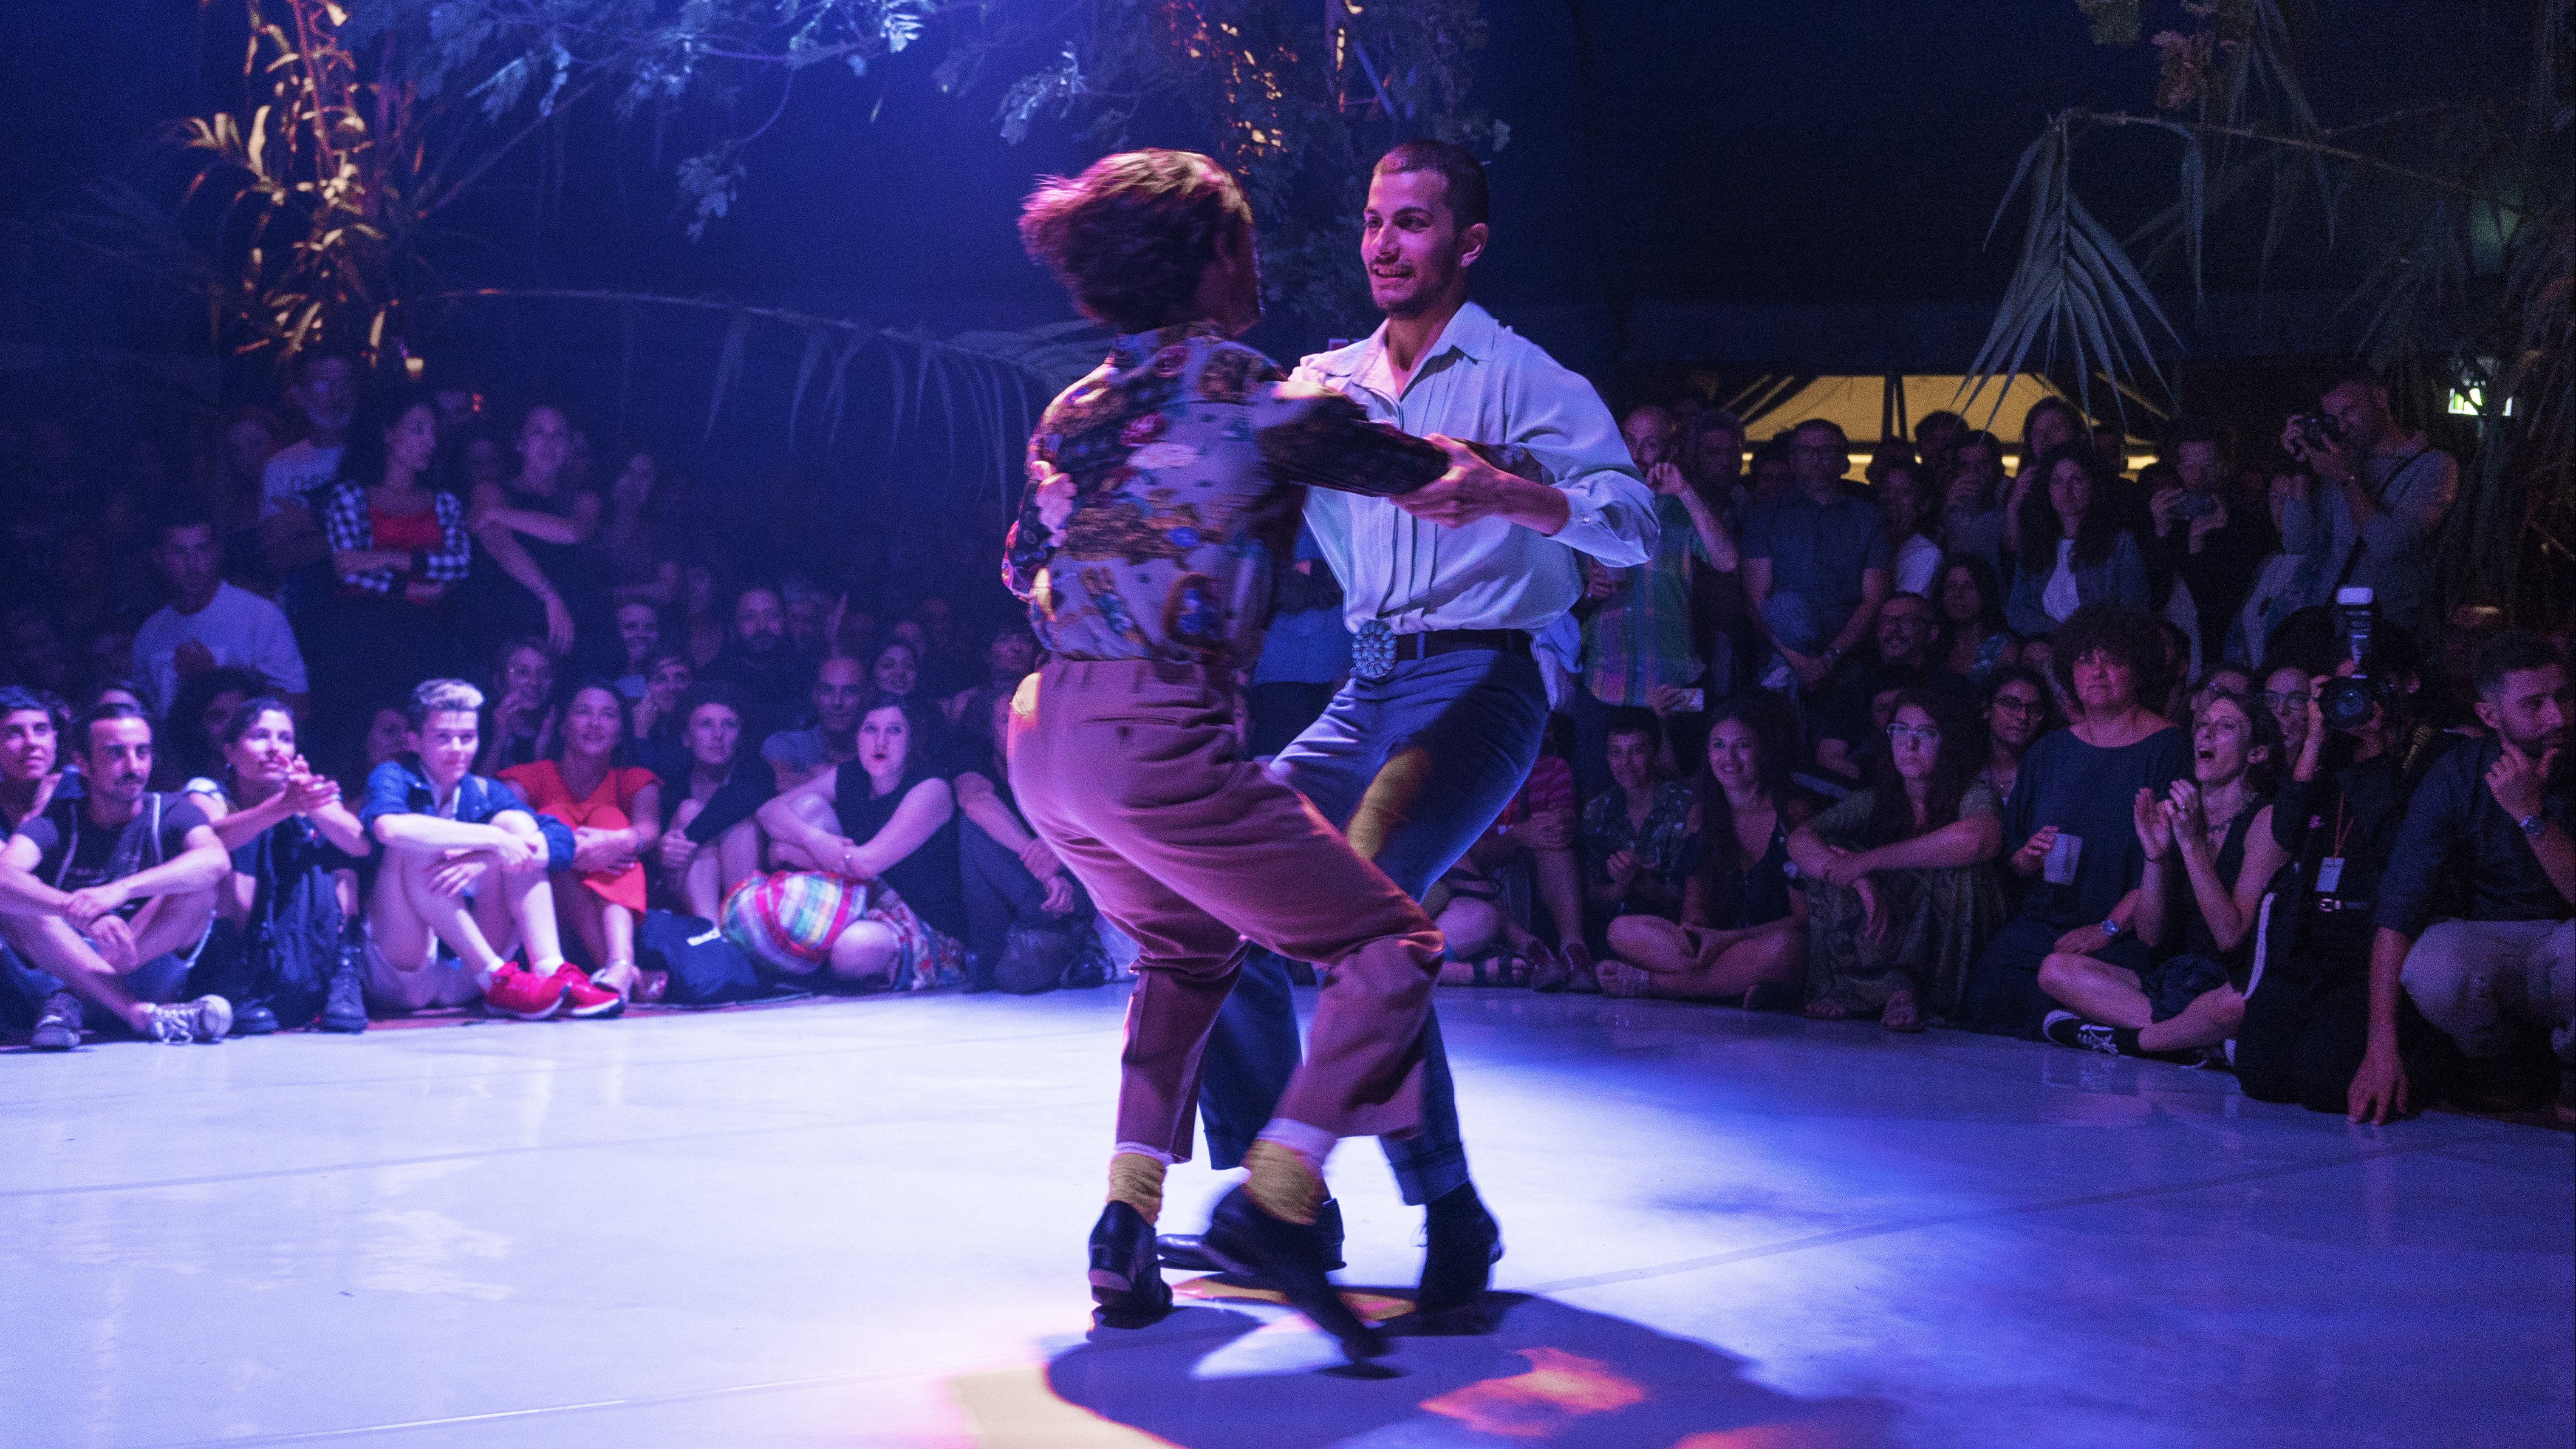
(1125, 1280)
(1187, 1252)
(253, 1018)
(1462, 1245)
(1244, 1240)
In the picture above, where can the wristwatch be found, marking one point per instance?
(2111, 930)
(2532, 825)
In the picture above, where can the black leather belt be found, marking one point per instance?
(1457, 641)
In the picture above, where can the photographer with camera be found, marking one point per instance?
(2203, 535)
(2499, 816)
(2358, 751)
(2374, 497)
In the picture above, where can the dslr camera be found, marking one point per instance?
(2348, 702)
(2317, 432)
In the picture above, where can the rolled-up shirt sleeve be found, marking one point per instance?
(1610, 513)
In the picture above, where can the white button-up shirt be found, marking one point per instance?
(1481, 382)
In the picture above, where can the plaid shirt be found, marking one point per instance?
(1641, 635)
(346, 522)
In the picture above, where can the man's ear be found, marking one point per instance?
(1471, 243)
(2491, 717)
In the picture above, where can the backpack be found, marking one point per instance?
(705, 968)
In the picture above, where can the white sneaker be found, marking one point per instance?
(205, 1019)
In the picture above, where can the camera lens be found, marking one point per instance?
(2347, 703)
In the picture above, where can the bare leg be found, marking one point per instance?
(2096, 990)
(1472, 928)
(737, 857)
(617, 935)
(1670, 956)
(173, 923)
(1552, 871)
(864, 953)
(787, 855)
(517, 904)
(407, 915)
(577, 909)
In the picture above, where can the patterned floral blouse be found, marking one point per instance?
(1180, 464)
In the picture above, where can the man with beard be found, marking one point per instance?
(762, 666)
(840, 697)
(102, 883)
(1445, 589)
(2501, 815)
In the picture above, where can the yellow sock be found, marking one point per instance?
(1282, 1184)
(1137, 1180)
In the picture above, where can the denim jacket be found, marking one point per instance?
(400, 786)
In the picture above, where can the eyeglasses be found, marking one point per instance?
(2010, 705)
(2277, 700)
(1898, 734)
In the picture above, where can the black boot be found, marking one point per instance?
(1283, 1255)
(1188, 1252)
(1463, 1245)
(253, 1018)
(1125, 1279)
(345, 1008)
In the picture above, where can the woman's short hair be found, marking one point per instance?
(2129, 636)
(1131, 236)
(441, 696)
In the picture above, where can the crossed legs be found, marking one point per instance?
(164, 925)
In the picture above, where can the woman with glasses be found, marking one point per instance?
(1900, 894)
(2287, 695)
(2017, 706)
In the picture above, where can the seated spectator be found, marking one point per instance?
(533, 527)
(657, 717)
(31, 730)
(2071, 819)
(400, 548)
(639, 641)
(769, 678)
(526, 724)
(704, 628)
(208, 622)
(2308, 1014)
(2016, 715)
(872, 897)
(199, 720)
(715, 788)
(2225, 679)
(1905, 504)
(614, 811)
(1635, 842)
(832, 740)
(292, 897)
(2365, 510)
(2073, 550)
(2500, 814)
(1816, 563)
(1535, 833)
(635, 535)
(1008, 657)
(1975, 642)
(103, 884)
(1012, 881)
(2210, 853)
(1742, 935)
(1850, 720)
(1898, 877)
(465, 865)
(388, 736)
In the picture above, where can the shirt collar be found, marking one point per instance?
(1134, 349)
(1472, 332)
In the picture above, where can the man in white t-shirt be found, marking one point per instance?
(209, 623)
(326, 392)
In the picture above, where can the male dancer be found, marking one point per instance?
(1444, 589)
(1164, 495)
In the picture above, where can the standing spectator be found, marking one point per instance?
(715, 787)
(770, 679)
(399, 549)
(234, 490)
(465, 865)
(1713, 461)
(704, 629)
(293, 892)
(635, 537)
(1013, 883)
(1937, 436)
(326, 391)
(2378, 493)
(1972, 501)
(2201, 537)
(1638, 639)
(534, 526)
(2209, 854)
(1899, 883)
(209, 622)
(2073, 813)
(2050, 424)
(879, 902)
(1635, 844)
(1974, 641)
(2073, 550)
(2500, 812)
(1743, 931)
(1816, 564)
(1905, 506)
(795, 756)
(105, 883)
(614, 812)
(526, 723)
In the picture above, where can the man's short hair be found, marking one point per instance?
(2349, 374)
(1842, 441)
(524, 644)
(1629, 720)
(2195, 428)
(1132, 235)
(2511, 652)
(1937, 420)
(107, 710)
(706, 692)
(1717, 420)
(188, 516)
(442, 696)
(1463, 176)
(759, 586)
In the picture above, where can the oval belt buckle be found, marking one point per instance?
(1373, 650)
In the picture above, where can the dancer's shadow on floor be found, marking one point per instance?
(1245, 1377)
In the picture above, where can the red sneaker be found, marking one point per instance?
(585, 999)
(515, 991)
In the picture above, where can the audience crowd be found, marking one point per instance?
(386, 704)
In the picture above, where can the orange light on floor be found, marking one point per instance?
(1559, 1387)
